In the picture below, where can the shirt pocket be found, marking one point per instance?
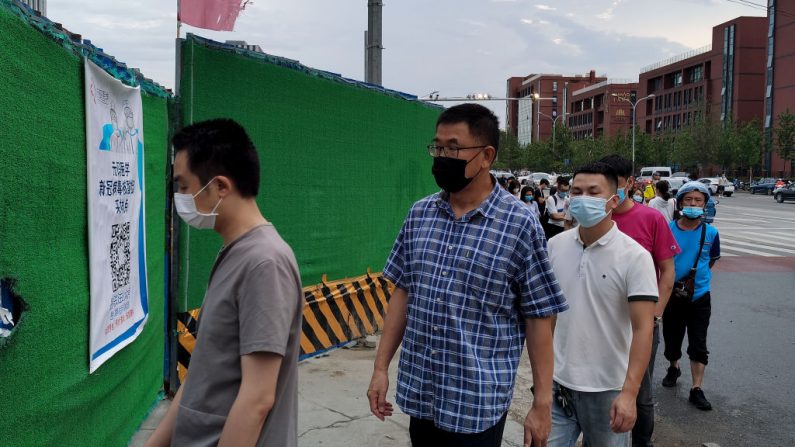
(488, 283)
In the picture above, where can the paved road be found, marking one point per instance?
(755, 225)
(751, 375)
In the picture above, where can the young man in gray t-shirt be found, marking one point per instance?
(241, 387)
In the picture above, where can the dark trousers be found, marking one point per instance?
(685, 315)
(553, 230)
(644, 425)
(424, 434)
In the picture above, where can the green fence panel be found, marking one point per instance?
(341, 163)
(48, 396)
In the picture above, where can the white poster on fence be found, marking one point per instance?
(116, 230)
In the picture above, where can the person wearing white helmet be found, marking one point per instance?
(690, 306)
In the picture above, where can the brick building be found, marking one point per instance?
(601, 109)
(532, 120)
(725, 80)
(779, 90)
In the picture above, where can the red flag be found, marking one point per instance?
(217, 15)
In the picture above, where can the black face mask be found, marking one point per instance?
(450, 173)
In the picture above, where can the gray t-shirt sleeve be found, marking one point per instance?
(266, 307)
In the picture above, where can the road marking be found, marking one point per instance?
(757, 227)
(753, 252)
(766, 236)
(756, 244)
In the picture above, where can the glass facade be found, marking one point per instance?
(728, 74)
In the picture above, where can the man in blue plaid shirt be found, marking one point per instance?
(472, 283)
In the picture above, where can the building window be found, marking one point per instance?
(696, 73)
(554, 86)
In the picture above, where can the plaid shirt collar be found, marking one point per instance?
(487, 208)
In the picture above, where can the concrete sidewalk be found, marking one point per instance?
(334, 412)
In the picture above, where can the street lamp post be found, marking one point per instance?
(535, 97)
(634, 105)
(554, 122)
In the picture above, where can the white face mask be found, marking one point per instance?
(186, 208)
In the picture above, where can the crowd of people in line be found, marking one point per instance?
(654, 193)
(580, 275)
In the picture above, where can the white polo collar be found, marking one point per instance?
(604, 240)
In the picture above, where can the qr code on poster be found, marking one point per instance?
(120, 255)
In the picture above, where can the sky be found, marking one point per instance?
(455, 47)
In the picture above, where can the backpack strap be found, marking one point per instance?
(700, 247)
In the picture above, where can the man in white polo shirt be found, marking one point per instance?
(603, 343)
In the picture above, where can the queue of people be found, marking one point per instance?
(579, 277)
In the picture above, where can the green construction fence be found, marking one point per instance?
(342, 161)
(49, 398)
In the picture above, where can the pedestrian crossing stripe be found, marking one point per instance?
(335, 313)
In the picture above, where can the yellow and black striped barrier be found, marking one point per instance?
(334, 314)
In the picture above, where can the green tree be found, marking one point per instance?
(511, 155)
(785, 135)
(726, 149)
(747, 142)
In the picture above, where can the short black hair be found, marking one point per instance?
(524, 191)
(663, 187)
(600, 168)
(562, 181)
(482, 122)
(543, 181)
(221, 147)
(621, 166)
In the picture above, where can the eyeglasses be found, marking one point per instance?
(442, 151)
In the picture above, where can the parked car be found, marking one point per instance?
(765, 187)
(681, 174)
(646, 172)
(502, 174)
(537, 176)
(712, 184)
(675, 183)
(785, 193)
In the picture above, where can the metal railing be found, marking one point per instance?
(677, 58)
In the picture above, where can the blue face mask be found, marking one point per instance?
(692, 212)
(588, 210)
(620, 192)
(638, 199)
(563, 194)
(528, 198)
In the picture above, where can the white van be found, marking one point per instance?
(646, 172)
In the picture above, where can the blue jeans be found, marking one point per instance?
(588, 413)
(644, 425)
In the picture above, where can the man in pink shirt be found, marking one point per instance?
(648, 227)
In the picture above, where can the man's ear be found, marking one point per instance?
(491, 154)
(224, 185)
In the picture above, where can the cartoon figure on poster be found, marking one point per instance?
(129, 134)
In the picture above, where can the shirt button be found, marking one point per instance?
(450, 247)
(435, 328)
(444, 273)
(433, 352)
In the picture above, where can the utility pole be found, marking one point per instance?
(373, 43)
